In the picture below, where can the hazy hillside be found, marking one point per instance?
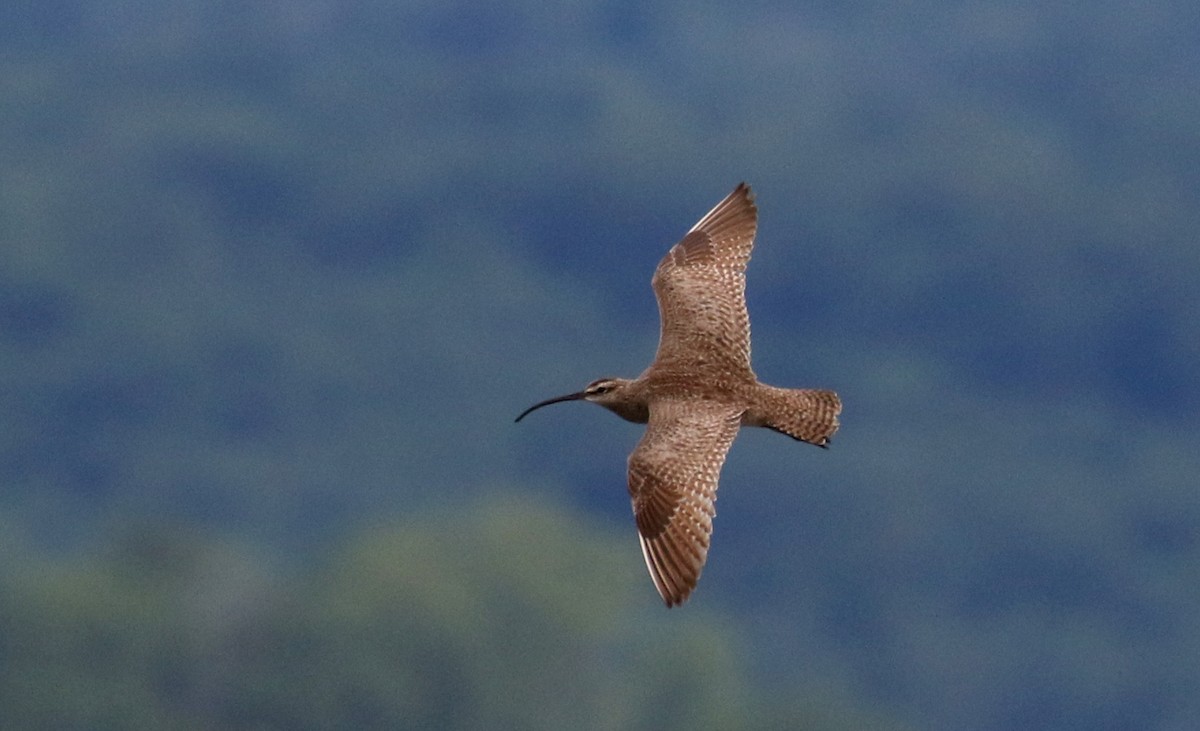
(275, 280)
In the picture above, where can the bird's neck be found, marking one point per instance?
(636, 411)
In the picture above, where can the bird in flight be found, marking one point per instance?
(696, 394)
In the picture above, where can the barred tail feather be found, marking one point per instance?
(807, 415)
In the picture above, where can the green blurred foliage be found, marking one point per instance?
(505, 614)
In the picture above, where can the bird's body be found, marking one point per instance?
(696, 394)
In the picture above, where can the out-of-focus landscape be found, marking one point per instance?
(276, 277)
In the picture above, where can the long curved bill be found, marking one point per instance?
(555, 400)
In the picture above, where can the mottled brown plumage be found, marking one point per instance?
(697, 392)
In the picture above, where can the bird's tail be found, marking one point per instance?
(804, 414)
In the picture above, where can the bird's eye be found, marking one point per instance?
(599, 389)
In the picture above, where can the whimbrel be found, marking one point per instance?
(697, 392)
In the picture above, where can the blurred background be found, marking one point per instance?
(276, 277)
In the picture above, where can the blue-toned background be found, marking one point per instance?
(275, 278)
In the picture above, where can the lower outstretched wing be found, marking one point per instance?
(673, 475)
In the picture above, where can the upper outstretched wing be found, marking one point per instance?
(701, 289)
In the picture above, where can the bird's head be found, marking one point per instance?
(608, 392)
